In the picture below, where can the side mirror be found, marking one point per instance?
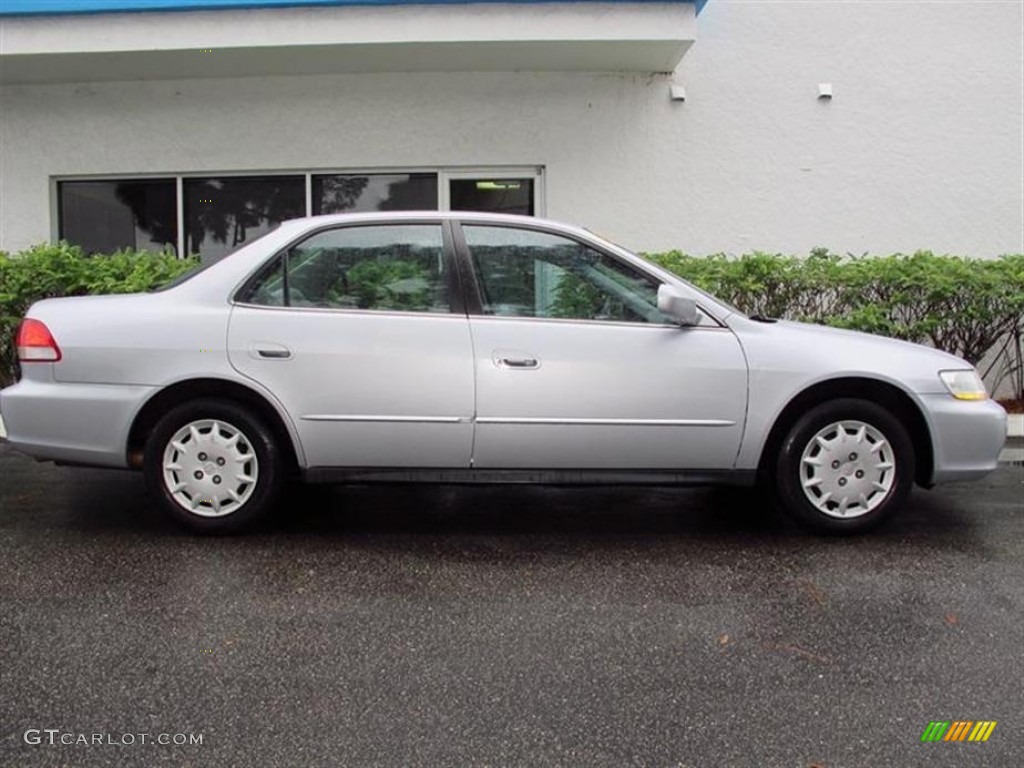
(674, 304)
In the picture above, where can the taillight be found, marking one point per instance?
(35, 343)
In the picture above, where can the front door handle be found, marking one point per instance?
(515, 359)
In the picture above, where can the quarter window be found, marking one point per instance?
(525, 273)
(384, 268)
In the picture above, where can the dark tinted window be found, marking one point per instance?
(374, 192)
(492, 195)
(223, 213)
(105, 216)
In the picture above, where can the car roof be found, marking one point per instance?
(509, 218)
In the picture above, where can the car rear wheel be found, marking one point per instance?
(845, 466)
(214, 465)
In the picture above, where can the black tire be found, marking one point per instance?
(791, 473)
(269, 466)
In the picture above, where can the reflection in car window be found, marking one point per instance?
(525, 273)
(398, 267)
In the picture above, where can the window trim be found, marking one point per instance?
(444, 175)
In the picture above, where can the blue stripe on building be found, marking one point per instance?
(44, 7)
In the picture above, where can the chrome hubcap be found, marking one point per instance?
(847, 469)
(210, 468)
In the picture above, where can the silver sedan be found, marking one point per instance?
(461, 348)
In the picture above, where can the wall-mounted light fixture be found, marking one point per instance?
(824, 91)
(676, 92)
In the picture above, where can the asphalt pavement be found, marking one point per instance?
(504, 626)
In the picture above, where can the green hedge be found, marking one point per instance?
(970, 307)
(47, 271)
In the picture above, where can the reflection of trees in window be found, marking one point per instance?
(335, 194)
(394, 284)
(575, 298)
(416, 192)
(226, 209)
(374, 192)
(507, 274)
(153, 208)
(105, 215)
(580, 295)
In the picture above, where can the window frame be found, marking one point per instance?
(456, 291)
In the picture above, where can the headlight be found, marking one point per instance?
(964, 385)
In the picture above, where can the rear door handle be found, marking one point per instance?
(266, 351)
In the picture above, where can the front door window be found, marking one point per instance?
(526, 273)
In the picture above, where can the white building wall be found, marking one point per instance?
(921, 147)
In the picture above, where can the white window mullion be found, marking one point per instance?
(179, 194)
(444, 198)
(309, 194)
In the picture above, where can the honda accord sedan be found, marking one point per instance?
(465, 348)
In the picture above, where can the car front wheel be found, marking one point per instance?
(845, 466)
(214, 465)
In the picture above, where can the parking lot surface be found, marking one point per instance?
(505, 626)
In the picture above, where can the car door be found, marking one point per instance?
(361, 333)
(577, 368)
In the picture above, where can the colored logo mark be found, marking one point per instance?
(958, 730)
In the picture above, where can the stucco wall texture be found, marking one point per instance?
(922, 145)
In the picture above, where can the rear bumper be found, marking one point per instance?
(967, 437)
(75, 423)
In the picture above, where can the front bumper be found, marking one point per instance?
(967, 437)
(74, 423)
